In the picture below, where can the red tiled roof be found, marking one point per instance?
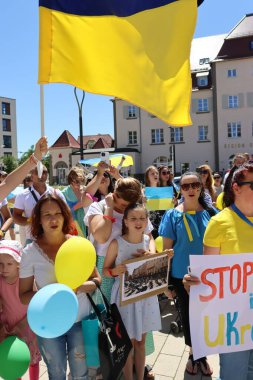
(66, 140)
(106, 141)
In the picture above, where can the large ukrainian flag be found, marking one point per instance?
(136, 50)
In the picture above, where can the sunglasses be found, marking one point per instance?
(246, 183)
(106, 175)
(193, 185)
(217, 177)
(203, 171)
(165, 173)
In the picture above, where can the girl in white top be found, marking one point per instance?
(141, 316)
(51, 222)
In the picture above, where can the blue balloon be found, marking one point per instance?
(52, 311)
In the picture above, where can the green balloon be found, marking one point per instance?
(14, 358)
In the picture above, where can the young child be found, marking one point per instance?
(12, 312)
(141, 316)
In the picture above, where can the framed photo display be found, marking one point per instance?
(145, 277)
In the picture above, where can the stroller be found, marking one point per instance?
(176, 326)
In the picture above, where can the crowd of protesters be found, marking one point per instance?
(110, 211)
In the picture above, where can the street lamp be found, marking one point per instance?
(80, 107)
(173, 151)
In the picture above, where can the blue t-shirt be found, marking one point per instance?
(173, 227)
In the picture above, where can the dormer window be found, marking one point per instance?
(202, 61)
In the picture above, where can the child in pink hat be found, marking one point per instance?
(12, 312)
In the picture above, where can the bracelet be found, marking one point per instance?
(113, 220)
(94, 199)
(2, 233)
(110, 273)
(33, 159)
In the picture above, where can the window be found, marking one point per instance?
(251, 45)
(203, 132)
(6, 125)
(6, 109)
(132, 137)
(7, 141)
(234, 130)
(202, 81)
(7, 154)
(202, 61)
(202, 105)
(176, 134)
(157, 136)
(91, 144)
(161, 160)
(132, 112)
(232, 73)
(151, 115)
(233, 101)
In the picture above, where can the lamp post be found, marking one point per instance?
(173, 151)
(80, 107)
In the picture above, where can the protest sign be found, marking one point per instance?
(221, 307)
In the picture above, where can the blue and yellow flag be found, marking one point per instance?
(159, 198)
(136, 50)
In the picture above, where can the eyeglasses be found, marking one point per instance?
(165, 173)
(246, 183)
(217, 177)
(193, 185)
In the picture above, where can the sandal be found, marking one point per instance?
(148, 374)
(204, 367)
(193, 364)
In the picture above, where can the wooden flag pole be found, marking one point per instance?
(42, 123)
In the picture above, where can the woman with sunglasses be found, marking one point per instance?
(152, 180)
(231, 232)
(166, 179)
(182, 229)
(207, 180)
(217, 185)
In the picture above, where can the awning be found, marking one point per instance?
(202, 74)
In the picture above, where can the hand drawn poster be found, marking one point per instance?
(221, 307)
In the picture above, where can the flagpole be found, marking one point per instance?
(42, 123)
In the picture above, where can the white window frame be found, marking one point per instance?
(232, 73)
(157, 136)
(203, 105)
(132, 112)
(233, 101)
(176, 135)
(203, 133)
(234, 130)
(132, 137)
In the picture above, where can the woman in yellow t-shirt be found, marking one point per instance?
(229, 232)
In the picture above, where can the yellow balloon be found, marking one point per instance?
(159, 244)
(75, 262)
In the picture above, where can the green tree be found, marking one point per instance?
(10, 163)
(27, 154)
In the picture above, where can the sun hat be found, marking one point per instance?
(12, 248)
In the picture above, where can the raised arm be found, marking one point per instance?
(16, 177)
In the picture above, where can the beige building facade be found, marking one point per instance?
(221, 110)
(8, 130)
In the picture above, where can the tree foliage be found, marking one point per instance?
(10, 163)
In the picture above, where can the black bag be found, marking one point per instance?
(113, 341)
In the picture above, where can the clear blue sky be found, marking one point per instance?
(19, 65)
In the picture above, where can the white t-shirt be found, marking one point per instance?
(35, 262)
(25, 201)
(97, 208)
